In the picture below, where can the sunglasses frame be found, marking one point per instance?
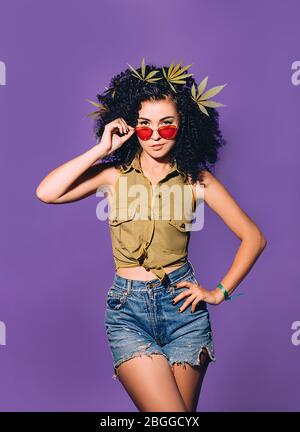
(158, 130)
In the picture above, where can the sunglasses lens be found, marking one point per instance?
(168, 132)
(144, 133)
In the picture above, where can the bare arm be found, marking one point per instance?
(252, 239)
(75, 179)
(80, 177)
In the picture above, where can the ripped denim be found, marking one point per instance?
(140, 319)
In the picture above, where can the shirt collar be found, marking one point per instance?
(135, 164)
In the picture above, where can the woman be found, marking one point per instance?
(157, 135)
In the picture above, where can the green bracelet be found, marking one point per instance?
(225, 292)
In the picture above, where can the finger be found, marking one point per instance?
(124, 126)
(121, 122)
(128, 129)
(120, 125)
(181, 296)
(194, 304)
(115, 125)
(126, 137)
(183, 283)
(186, 304)
(127, 126)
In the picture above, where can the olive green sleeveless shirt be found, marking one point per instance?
(150, 225)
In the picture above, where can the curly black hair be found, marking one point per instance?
(199, 137)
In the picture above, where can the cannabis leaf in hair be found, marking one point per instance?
(97, 113)
(149, 78)
(201, 98)
(175, 74)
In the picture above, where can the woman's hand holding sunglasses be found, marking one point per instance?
(110, 140)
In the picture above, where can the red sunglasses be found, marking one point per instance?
(166, 132)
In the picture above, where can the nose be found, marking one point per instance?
(155, 135)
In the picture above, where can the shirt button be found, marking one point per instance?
(182, 225)
(149, 217)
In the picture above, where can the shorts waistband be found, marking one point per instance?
(172, 278)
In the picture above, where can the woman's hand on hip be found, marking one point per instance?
(197, 293)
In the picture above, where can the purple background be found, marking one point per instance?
(56, 261)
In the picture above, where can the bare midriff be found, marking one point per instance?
(140, 273)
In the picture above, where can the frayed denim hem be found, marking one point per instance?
(135, 354)
(170, 361)
(198, 361)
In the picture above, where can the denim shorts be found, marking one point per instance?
(141, 319)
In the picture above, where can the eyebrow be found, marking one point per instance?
(143, 118)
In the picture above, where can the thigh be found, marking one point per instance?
(189, 379)
(189, 347)
(150, 383)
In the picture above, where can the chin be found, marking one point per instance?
(159, 151)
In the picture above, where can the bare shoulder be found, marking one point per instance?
(212, 187)
(206, 178)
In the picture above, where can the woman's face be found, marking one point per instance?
(155, 114)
